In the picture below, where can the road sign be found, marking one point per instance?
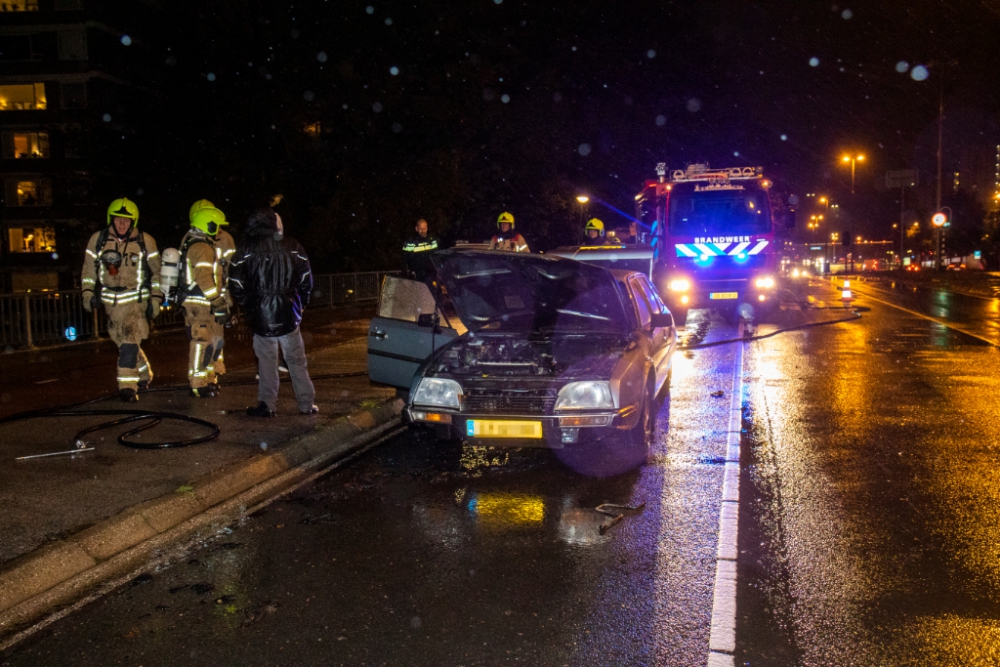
(905, 178)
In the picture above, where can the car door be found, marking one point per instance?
(399, 339)
(662, 338)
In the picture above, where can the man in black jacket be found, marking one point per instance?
(270, 277)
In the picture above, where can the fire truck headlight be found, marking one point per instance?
(680, 285)
(766, 282)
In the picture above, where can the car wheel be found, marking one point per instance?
(640, 437)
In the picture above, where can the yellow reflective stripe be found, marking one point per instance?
(152, 255)
(128, 378)
(88, 281)
(195, 301)
(202, 265)
(209, 293)
(91, 253)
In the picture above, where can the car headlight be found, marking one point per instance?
(438, 392)
(680, 285)
(766, 281)
(584, 395)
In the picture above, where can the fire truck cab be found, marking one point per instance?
(712, 235)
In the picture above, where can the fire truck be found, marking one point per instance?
(712, 234)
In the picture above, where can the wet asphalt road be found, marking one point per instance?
(868, 528)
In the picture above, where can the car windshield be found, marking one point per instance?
(530, 293)
(695, 212)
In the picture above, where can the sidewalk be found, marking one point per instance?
(67, 514)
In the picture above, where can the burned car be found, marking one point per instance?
(525, 350)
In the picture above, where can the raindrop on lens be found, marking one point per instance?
(369, 9)
(498, 2)
(902, 66)
(388, 21)
(394, 71)
(106, 118)
(321, 56)
(583, 149)
(661, 120)
(919, 73)
(397, 128)
(814, 62)
(784, 137)
(211, 76)
(126, 40)
(557, 97)
(377, 107)
(651, 54)
(308, 96)
(693, 104)
(505, 98)
(847, 14)
(55, 255)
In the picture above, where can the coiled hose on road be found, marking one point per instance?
(154, 417)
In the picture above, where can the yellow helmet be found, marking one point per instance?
(201, 203)
(594, 223)
(208, 219)
(123, 208)
(506, 217)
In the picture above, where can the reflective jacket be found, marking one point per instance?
(225, 246)
(272, 281)
(199, 282)
(416, 256)
(512, 243)
(134, 279)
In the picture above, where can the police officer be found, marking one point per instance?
(508, 239)
(205, 308)
(418, 264)
(225, 246)
(595, 233)
(121, 269)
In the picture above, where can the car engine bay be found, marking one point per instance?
(499, 356)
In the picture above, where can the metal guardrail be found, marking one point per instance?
(47, 318)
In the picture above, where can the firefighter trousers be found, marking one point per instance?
(219, 362)
(202, 337)
(128, 327)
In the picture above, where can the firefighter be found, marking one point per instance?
(121, 269)
(205, 308)
(225, 246)
(508, 239)
(595, 233)
(418, 264)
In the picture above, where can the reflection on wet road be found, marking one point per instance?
(869, 527)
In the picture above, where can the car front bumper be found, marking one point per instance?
(556, 430)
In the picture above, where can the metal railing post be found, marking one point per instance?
(27, 321)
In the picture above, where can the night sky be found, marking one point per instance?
(455, 111)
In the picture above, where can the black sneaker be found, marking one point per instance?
(143, 385)
(311, 411)
(261, 411)
(128, 395)
(202, 392)
(213, 387)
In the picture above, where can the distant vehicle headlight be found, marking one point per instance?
(766, 281)
(438, 392)
(795, 273)
(584, 395)
(680, 285)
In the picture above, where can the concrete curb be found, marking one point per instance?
(62, 572)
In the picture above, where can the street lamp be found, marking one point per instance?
(853, 159)
(583, 199)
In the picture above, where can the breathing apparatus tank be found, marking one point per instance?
(170, 262)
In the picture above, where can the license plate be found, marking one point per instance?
(488, 428)
(723, 295)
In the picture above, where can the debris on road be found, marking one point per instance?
(608, 509)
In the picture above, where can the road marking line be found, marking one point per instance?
(722, 637)
(943, 323)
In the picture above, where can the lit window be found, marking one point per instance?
(32, 239)
(35, 192)
(18, 5)
(31, 144)
(313, 129)
(22, 97)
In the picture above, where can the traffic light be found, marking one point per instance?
(846, 239)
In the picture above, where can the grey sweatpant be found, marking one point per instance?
(294, 351)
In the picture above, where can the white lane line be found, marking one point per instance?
(722, 638)
(943, 323)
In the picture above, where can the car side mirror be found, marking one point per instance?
(427, 320)
(661, 320)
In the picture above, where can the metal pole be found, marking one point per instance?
(27, 321)
(902, 227)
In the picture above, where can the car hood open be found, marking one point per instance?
(522, 293)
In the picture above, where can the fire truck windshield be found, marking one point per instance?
(700, 210)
